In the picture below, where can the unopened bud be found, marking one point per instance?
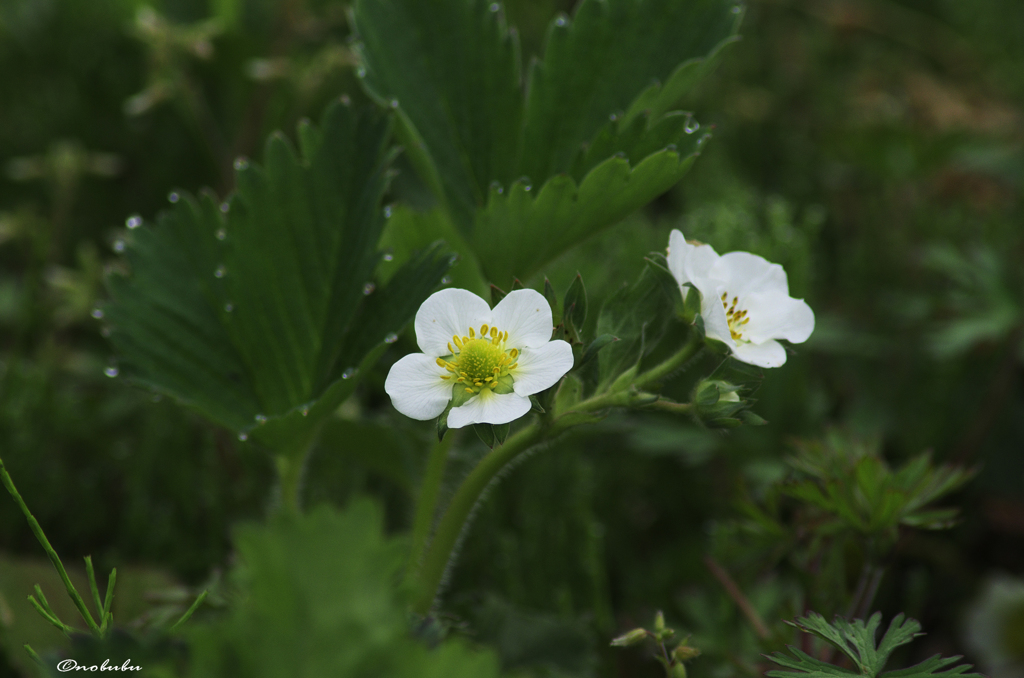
(634, 637)
(679, 671)
(685, 653)
(659, 622)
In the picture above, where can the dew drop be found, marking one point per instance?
(346, 100)
(220, 272)
(225, 206)
(613, 117)
(388, 211)
(496, 187)
(349, 373)
(735, 10)
(361, 72)
(111, 371)
(243, 436)
(447, 280)
(119, 245)
(527, 188)
(495, 7)
(390, 338)
(305, 411)
(561, 21)
(671, 147)
(97, 313)
(241, 163)
(221, 234)
(229, 307)
(173, 197)
(261, 419)
(368, 288)
(393, 103)
(691, 126)
(388, 256)
(134, 221)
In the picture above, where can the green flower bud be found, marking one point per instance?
(634, 637)
(685, 653)
(679, 671)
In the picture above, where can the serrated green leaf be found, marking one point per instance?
(307, 581)
(856, 640)
(261, 318)
(482, 141)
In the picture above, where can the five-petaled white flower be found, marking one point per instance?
(745, 300)
(485, 362)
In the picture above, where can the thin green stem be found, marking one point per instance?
(448, 530)
(188, 613)
(426, 504)
(32, 653)
(91, 573)
(670, 365)
(109, 600)
(49, 616)
(54, 558)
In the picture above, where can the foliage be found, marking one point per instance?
(482, 141)
(856, 640)
(215, 314)
(315, 595)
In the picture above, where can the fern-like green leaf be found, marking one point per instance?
(856, 640)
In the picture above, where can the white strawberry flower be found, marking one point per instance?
(486, 362)
(745, 300)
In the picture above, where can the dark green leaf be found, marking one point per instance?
(575, 306)
(261, 318)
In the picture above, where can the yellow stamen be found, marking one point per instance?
(469, 390)
(494, 332)
(472, 334)
(450, 349)
(514, 353)
(458, 342)
(483, 330)
(513, 366)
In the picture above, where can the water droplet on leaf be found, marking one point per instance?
(220, 271)
(390, 338)
(225, 206)
(447, 280)
(241, 163)
(388, 256)
(261, 419)
(119, 245)
(134, 221)
(243, 436)
(229, 307)
(393, 103)
(495, 7)
(221, 234)
(388, 211)
(691, 126)
(561, 21)
(349, 373)
(111, 371)
(368, 288)
(173, 197)
(97, 313)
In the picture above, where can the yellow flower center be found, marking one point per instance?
(737, 319)
(479, 361)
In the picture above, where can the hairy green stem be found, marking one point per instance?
(670, 365)
(426, 503)
(54, 558)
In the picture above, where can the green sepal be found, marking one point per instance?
(692, 304)
(751, 419)
(536, 406)
(516, 284)
(501, 432)
(486, 434)
(575, 309)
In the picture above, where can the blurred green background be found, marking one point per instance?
(875, 148)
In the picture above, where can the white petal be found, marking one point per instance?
(768, 354)
(676, 254)
(777, 316)
(445, 314)
(688, 263)
(716, 323)
(526, 316)
(743, 273)
(541, 368)
(416, 387)
(489, 408)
